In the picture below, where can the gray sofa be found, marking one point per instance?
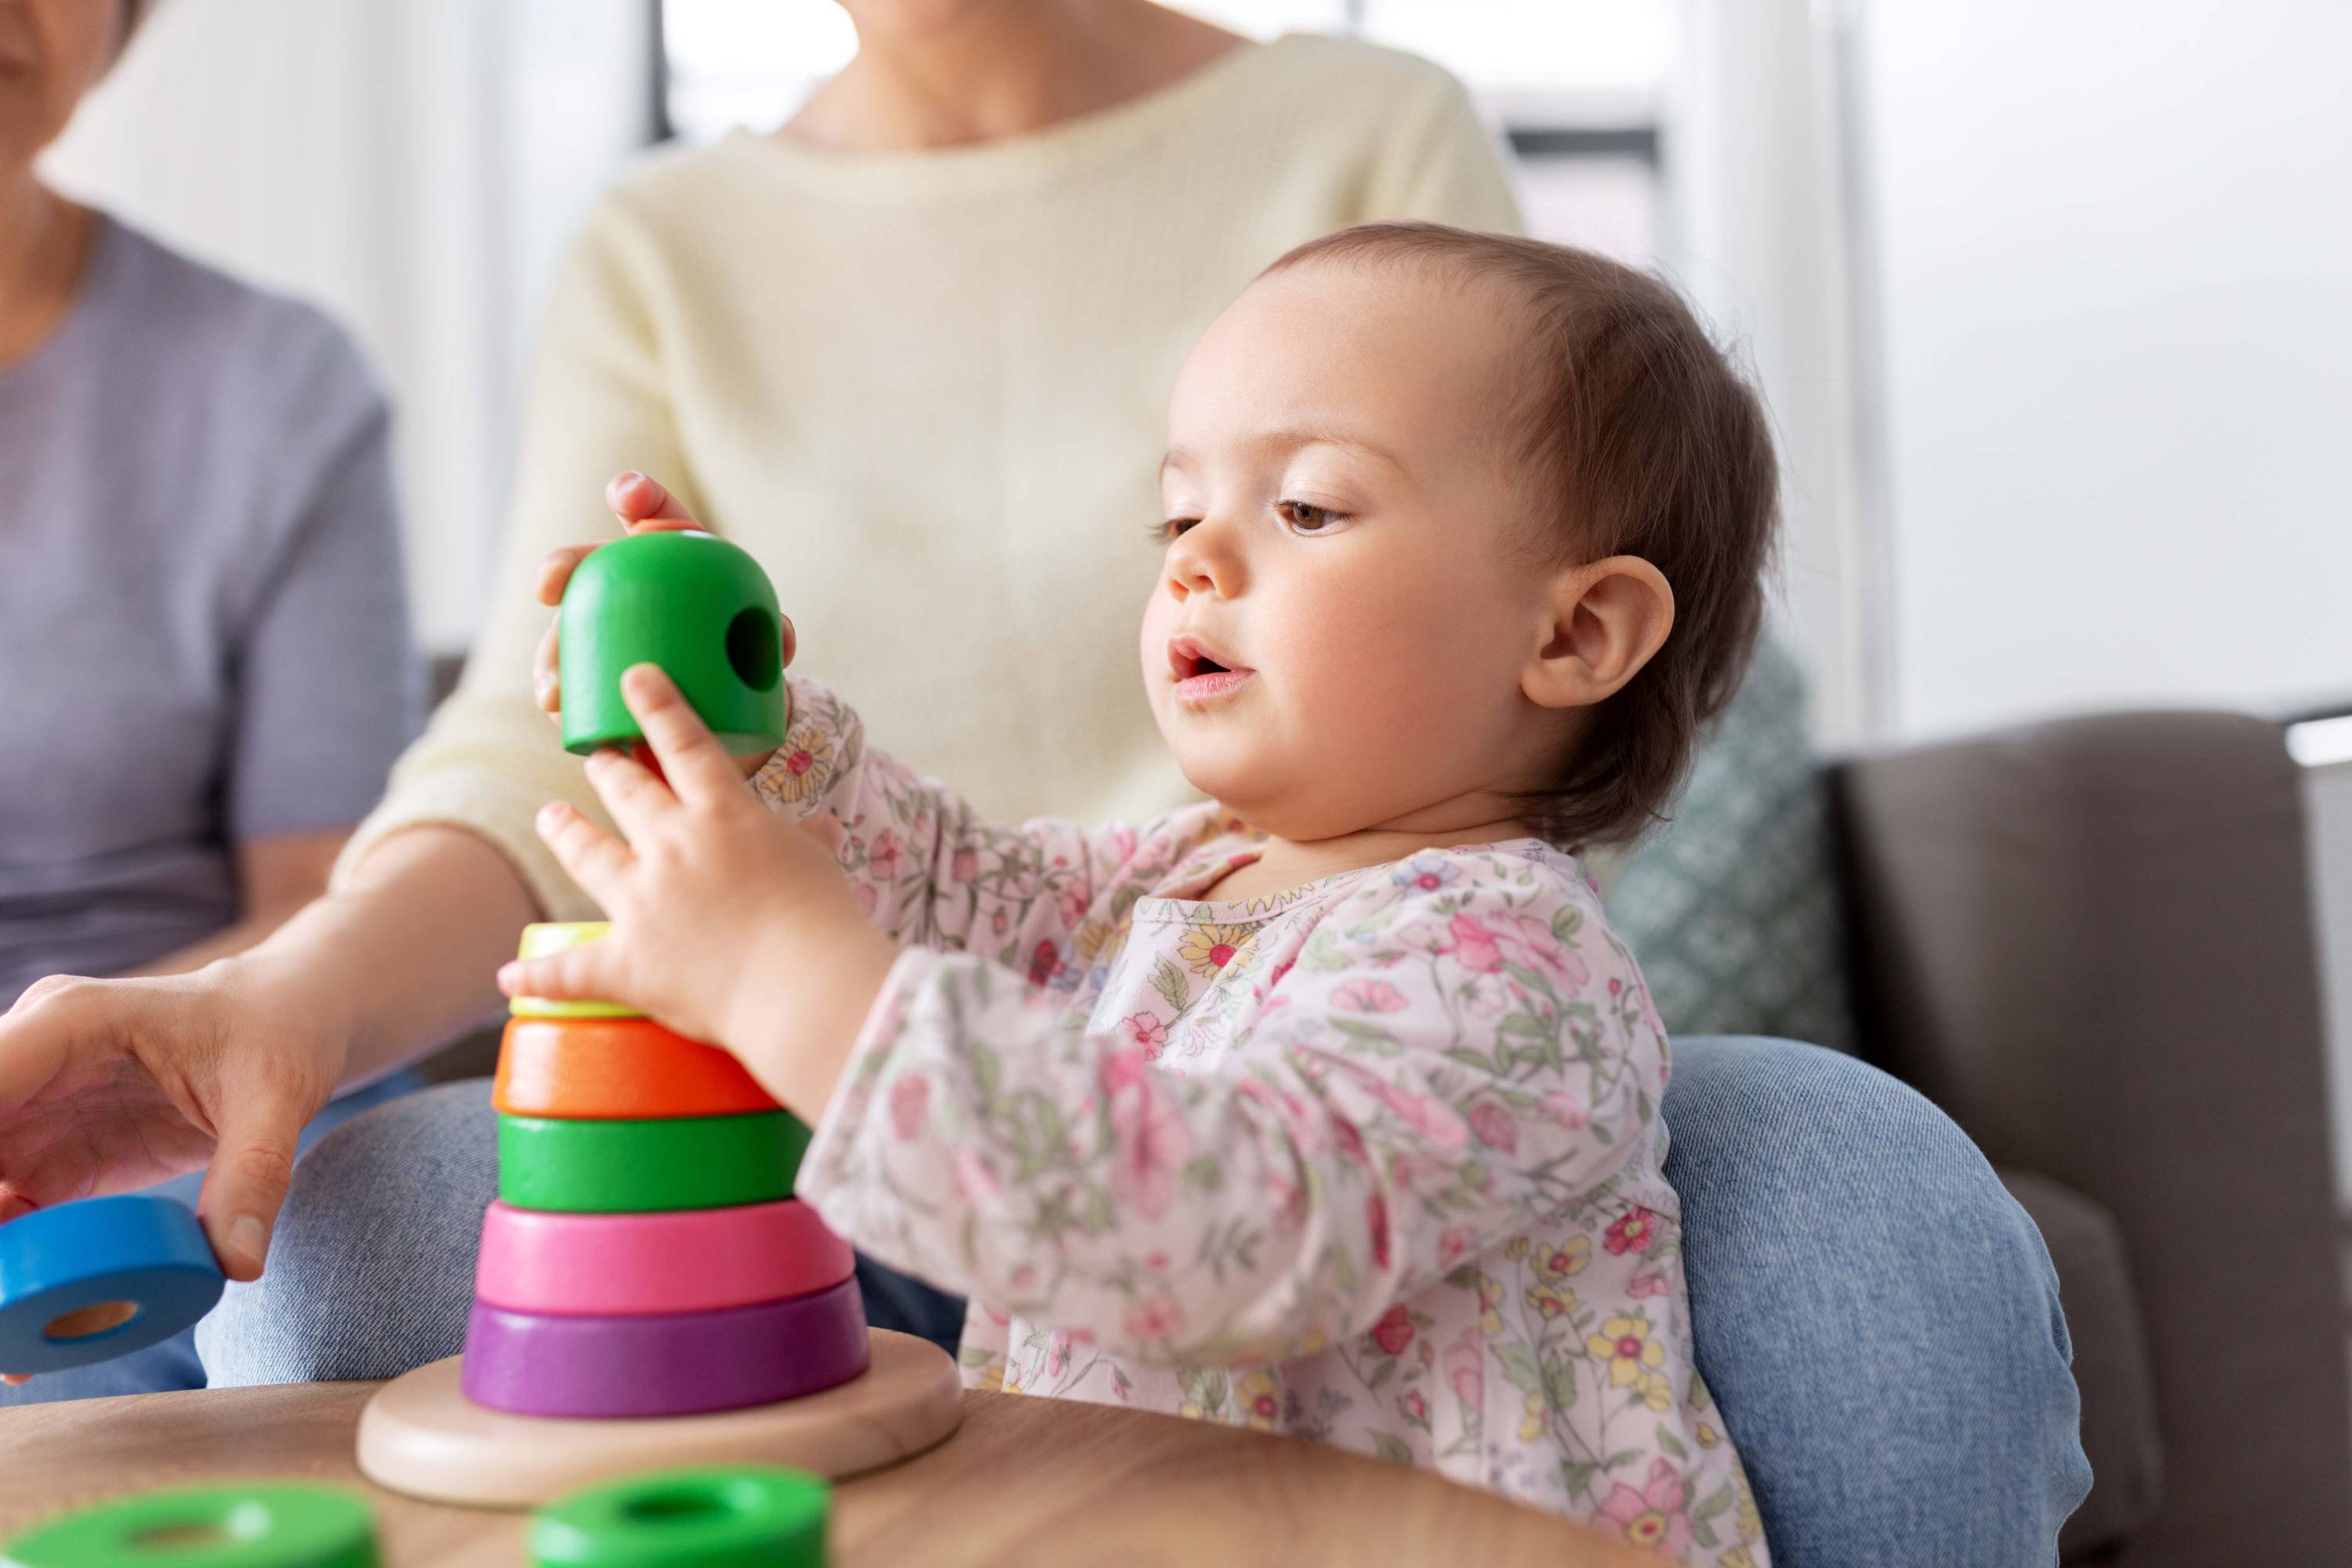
(2091, 943)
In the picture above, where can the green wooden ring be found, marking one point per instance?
(248, 1526)
(639, 1167)
(737, 1516)
(691, 603)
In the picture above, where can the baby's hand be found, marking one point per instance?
(713, 898)
(644, 507)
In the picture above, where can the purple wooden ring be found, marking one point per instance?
(680, 1363)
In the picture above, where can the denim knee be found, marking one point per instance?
(371, 1268)
(1877, 1315)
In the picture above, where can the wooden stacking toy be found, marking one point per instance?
(648, 1290)
(691, 603)
(260, 1525)
(87, 1281)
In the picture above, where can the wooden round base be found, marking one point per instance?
(421, 1435)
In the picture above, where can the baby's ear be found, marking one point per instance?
(1604, 621)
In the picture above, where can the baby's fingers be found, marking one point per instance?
(589, 972)
(555, 571)
(593, 858)
(546, 666)
(644, 505)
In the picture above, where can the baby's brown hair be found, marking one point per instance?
(1645, 443)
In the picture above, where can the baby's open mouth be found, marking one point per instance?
(1201, 671)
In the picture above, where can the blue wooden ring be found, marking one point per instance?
(147, 1252)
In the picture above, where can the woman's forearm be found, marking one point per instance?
(403, 956)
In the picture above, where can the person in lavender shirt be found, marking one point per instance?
(201, 614)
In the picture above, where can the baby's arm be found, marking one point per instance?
(1438, 1071)
(928, 871)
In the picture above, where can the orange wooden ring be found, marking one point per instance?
(596, 1069)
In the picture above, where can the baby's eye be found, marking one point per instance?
(1306, 518)
(1162, 533)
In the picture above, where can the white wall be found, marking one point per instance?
(2114, 249)
(412, 167)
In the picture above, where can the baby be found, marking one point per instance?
(1328, 1106)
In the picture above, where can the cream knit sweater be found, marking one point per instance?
(927, 390)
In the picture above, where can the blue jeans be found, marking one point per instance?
(174, 1364)
(1877, 1315)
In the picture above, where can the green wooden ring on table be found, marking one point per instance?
(638, 1167)
(259, 1525)
(745, 1516)
(545, 937)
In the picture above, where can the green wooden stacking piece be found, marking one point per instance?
(691, 603)
(641, 1167)
(743, 1516)
(254, 1525)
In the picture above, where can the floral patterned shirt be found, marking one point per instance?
(1374, 1160)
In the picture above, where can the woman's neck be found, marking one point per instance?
(1005, 71)
(44, 241)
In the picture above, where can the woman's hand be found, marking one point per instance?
(107, 1085)
(644, 507)
(730, 923)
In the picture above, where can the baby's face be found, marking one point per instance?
(1347, 538)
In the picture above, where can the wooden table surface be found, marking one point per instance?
(1030, 1482)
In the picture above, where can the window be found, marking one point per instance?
(1575, 84)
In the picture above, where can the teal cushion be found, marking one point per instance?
(1732, 908)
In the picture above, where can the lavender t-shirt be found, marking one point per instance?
(203, 633)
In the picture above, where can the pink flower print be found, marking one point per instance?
(1349, 1141)
(866, 899)
(998, 922)
(1147, 1032)
(1616, 986)
(1466, 1368)
(883, 858)
(1073, 905)
(1530, 944)
(1042, 962)
(975, 1177)
(1121, 1070)
(1393, 1332)
(1564, 1109)
(1453, 1242)
(1416, 1408)
(1476, 947)
(1151, 1138)
(1156, 1316)
(1494, 1127)
(1376, 1221)
(964, 866)
(1647, 1285)
(909, 1097)
(1369, 996)
(1631, 1231)
(1652, 1518)
(799, 762)
(1425, 1114)
(1423, 874)
(1058, 1355)
(1486, 996)
(1122, 846)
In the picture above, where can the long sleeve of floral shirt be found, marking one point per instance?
(1375, 1161)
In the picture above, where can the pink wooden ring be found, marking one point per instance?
(682, 1260)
